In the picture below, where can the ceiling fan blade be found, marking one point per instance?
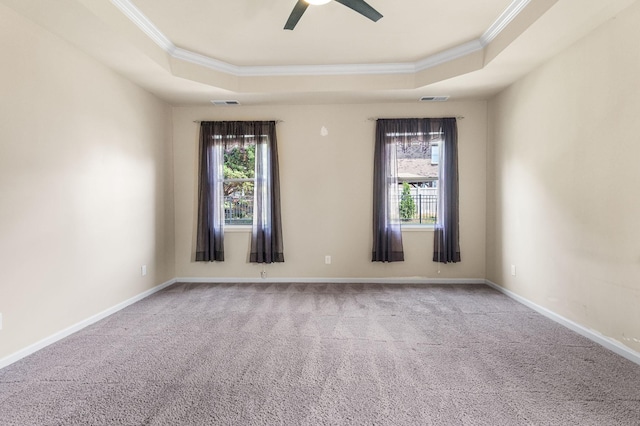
(362, 8)
(296, 14)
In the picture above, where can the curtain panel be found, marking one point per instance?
(210, 226)
(266, 235)
(266, 231)
(387, 234)
(446, 240)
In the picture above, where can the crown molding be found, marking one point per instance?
(337, 69)
(202, 60)
(503, 20)
(449, 55)
(288, 70)
(148, 27)
(144, 24)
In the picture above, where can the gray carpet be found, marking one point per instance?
(322, 354)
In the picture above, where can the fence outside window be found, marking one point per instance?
(425, 210)
(238, 210)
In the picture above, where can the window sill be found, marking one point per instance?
(417, 228)
(237, 228)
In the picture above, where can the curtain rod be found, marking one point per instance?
(277, 121)
(458, 117)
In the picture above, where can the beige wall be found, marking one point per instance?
(564, 179)
(326, 189)
(85, 186)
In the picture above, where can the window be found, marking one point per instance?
(412, 146)
(239, 183)
(417, 158)
(435, 152)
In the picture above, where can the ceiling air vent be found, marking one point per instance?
(434, 98)
(215, 102)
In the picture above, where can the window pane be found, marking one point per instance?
(417, 160)
(435, 153)
(238, 187)
(238, 203)
(240, 161)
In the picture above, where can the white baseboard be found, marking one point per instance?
(592, 335)
(596, 337)
(409, 280)
(79, 326)
(82, 324)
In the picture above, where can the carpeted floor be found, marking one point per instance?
(322, 354)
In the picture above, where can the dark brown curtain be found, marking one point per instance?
(210, 227)
(387, 234)
(266, 232)
(446, 241)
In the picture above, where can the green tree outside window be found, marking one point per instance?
(407, 205)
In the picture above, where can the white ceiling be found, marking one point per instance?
(250, 32)
(193, 51)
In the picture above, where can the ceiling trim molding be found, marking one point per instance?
(205, 61)
(449, 55)
(337, 69)
(141, 21)
(148, 27)
(289, 70)
(503, 20)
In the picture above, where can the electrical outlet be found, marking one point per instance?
(513, 270)
(327, 260)
(263, 274)
(143, 270)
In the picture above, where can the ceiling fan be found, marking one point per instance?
(359, 6)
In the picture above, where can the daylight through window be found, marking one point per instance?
(417, 157)
(239, 183)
